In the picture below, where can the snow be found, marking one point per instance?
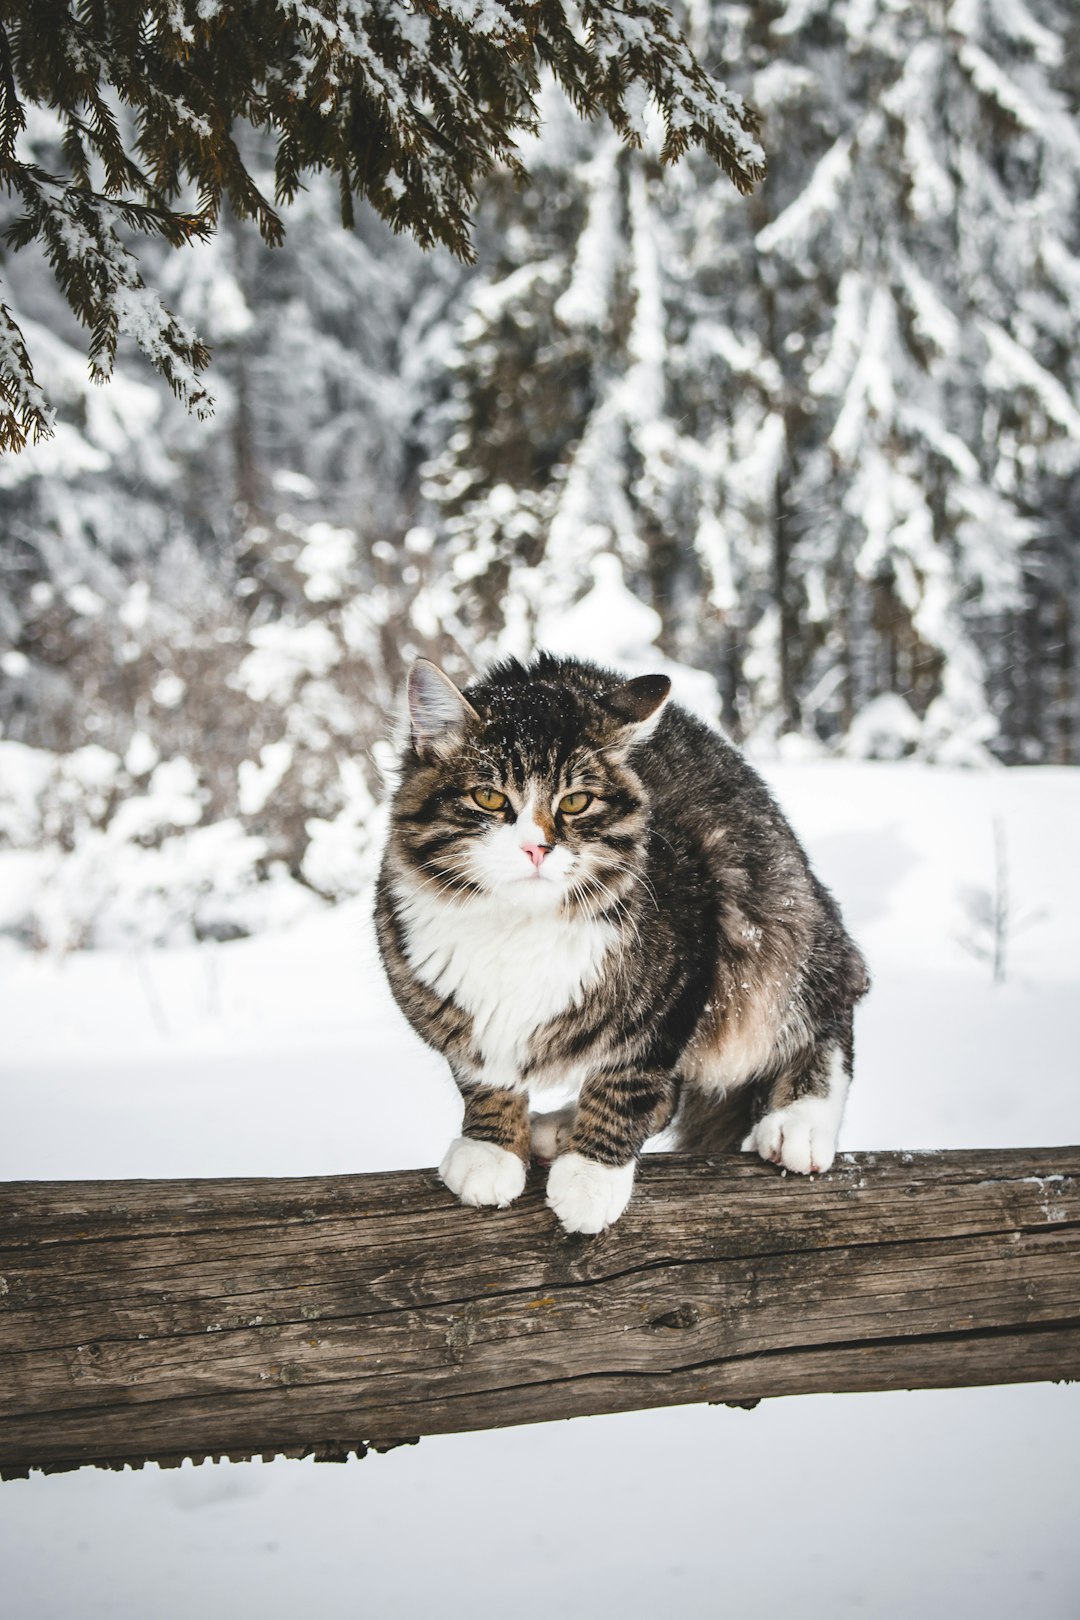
(397, 1536)
(15, 664)
(210, 296)
(24, 773)
(142, 754)
(991, 81)
(622, 359)
(870, 388)
(790, 230)
(619, 630)
(283, 1054)
(646, 349)
(171, 800)
(258, 781)
(796, 14)
(488, 303)
(584, 303)
(713, 546)
(1011, 366)
(284, 654)
(168, 690)
(885, 728)
(1015, 20)
(325, 559)
(342, 853)
(81, 599)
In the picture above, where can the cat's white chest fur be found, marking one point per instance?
(512, 971)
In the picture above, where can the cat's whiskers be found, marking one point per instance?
(443, 871)
(456, 879)
(647, 885)
(664, 839)
(610, 901)
(638, 876)
(624, 918)
(578, 894)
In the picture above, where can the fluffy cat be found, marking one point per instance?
(584, 885)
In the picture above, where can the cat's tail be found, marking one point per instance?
(717, 1122)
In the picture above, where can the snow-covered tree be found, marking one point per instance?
(223, 596)
(407, 106)
(940, 224)
(830, 433)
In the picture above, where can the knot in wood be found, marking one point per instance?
(684, 1316)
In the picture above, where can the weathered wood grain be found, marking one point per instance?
(163, 1319)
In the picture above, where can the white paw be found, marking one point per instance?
(801, 1136)
(587, 1196)
(482, 1172)
(551, 1132)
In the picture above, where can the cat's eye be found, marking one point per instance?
(489, 798)
(572, 804)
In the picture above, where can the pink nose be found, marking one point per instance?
(536, 853)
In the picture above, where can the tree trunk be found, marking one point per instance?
(164, 1319)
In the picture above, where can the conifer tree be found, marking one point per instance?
(407, 105)
(839, 423)
(926, 265)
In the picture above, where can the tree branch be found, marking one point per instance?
(411, 107)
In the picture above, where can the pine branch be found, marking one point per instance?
(100, 280)
(24, 410)
(411, 106)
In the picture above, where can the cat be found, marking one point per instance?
(584, 886)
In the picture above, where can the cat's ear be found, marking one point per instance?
(438, 714)
(636, 708)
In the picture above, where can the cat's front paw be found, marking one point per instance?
(800, 1136)
(482, 1172)
(587, 1196)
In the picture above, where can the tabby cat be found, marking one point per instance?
(584, 886)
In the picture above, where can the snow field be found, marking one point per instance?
(283, 1054)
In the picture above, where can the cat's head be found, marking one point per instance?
(522, 789)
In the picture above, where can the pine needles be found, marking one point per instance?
(410, 105)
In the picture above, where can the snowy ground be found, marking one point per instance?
(284, 1055)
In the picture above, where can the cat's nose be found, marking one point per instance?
(536, 853)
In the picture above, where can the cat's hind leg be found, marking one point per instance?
(801, 1122)
(486, 1164)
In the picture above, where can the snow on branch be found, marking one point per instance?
(409, 105)
(100, 277)
(25, 413)
(790, 231)
(1012, 366)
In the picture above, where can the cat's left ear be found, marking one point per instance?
(636, 708)
(438, 713)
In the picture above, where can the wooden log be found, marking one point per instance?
(155, 1320)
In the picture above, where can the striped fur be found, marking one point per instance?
(672, 955)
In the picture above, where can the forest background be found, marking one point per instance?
(817, 449)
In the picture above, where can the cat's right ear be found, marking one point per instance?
(438, 714)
